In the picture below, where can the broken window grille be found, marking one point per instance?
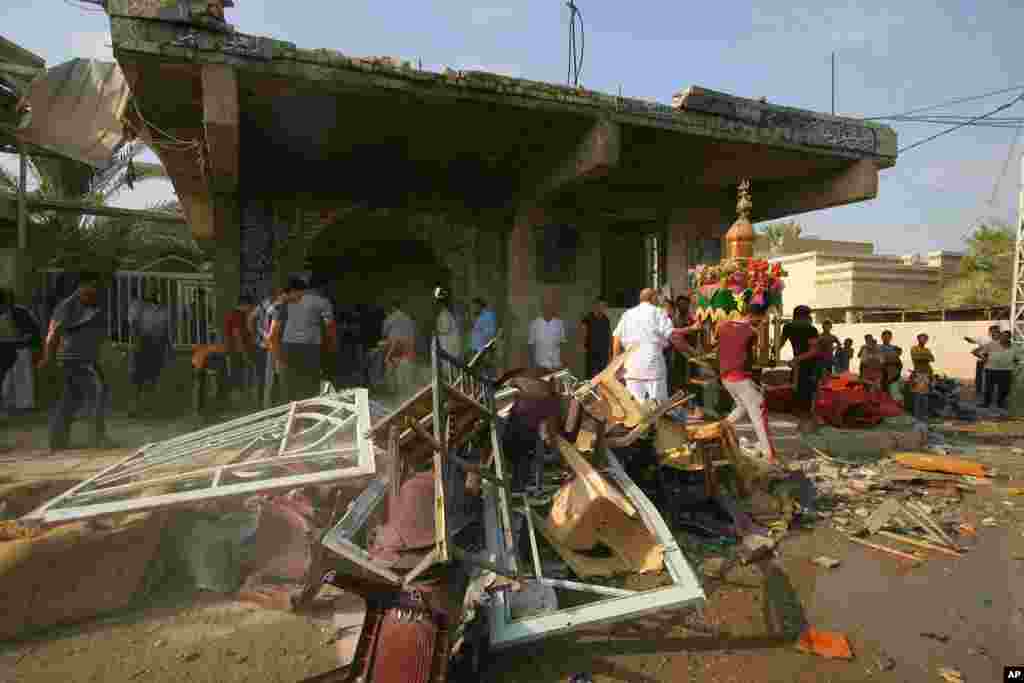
(613, 603)
(460, 397)
(315, 441)
(444, 406)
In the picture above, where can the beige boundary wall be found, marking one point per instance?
(946, 340)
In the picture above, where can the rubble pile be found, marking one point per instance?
(452, 525)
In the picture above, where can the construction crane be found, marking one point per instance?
(1017, 292)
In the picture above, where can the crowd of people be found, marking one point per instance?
(282, 348)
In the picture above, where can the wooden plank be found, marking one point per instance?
(903, 538)
(440, 420)
(885, 549)
(581, 565)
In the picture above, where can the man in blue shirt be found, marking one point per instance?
(485, 326)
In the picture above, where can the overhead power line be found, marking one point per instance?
(1006, 166)
(1011, 123)
(981, 117)
(959, 100)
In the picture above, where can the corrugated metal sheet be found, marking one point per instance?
(76, 111)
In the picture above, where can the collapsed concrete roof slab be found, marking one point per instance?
(77, 108)
(401, 137)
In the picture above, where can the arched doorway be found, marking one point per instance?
(369, 261)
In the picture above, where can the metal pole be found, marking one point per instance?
(1017, 293)
(22, 209)
(833, 84)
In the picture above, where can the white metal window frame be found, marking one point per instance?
(620, 605)
(269, 429)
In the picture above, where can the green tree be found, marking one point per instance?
(777, 233)
(986, 270)
(104, 244)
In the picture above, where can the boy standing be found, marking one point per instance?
(921, 377)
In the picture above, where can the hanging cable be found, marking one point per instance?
(80, 5)
(959, 100)
(1012, 123)
(1006, 166)
(575, 57)
(1009, 104)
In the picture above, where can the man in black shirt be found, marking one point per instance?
(596, 333)
(802, 335)
(78, 330)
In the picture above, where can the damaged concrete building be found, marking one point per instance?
(293, 159)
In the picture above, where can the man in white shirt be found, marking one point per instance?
(447, 328)
(647, 328)
(547, 335)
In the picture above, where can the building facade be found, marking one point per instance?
(840, 280)
(386, 179)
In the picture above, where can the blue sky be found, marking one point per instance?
(889, 60)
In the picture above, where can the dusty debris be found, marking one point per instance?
(951, 675)
(715, 567)
(828, 644)
(941, 637)
(755, 547)
(826, 562)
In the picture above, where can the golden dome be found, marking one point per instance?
(739, 240)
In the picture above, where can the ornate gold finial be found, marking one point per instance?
(743, 204)
(740, 238)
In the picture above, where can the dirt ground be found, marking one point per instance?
(973, 604)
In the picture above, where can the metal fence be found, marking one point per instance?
(191, 298)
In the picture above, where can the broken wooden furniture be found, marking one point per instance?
(605, 399)
(321, 440)
(590, 511)
(434, 424)
(617, 492)
(405, 634)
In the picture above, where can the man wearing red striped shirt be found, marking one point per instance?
(736, 340)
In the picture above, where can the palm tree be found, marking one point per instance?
(97, 243)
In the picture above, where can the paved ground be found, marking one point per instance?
(748, 632)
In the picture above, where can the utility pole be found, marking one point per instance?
(833, 83)
(1017, 293)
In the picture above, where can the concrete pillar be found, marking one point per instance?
(521, 306)
(677, 256)
(227, 256)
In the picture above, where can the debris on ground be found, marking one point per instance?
(828, 644)
(951, 675)
(936, 463)
(443, 527)
(826, 562)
